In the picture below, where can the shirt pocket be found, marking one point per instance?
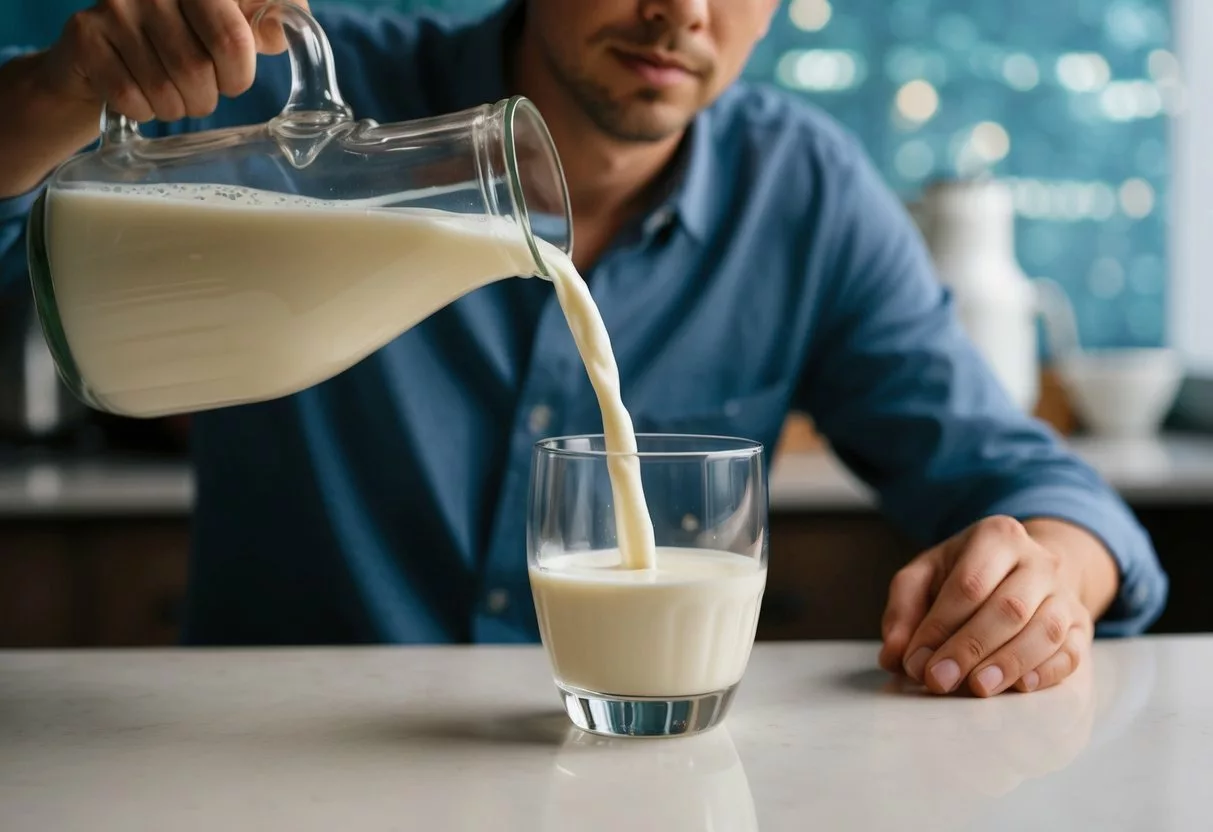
(757, 415)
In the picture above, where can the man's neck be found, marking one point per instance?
(610, 181)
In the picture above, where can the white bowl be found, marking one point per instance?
(1122, 392)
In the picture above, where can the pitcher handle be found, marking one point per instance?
(315, 98)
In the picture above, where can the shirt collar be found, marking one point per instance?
(694, 189)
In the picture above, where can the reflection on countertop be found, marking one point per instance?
(1173, 469)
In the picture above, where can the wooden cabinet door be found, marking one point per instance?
(91, 583)
(37, 588)
(137, 574)
(829, 575)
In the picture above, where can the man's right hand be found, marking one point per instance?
(147, 59)
(160, 59)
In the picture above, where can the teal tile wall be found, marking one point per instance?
(1067, 98)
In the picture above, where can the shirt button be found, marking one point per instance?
(497, 601)
(659, 220)
(540, 418)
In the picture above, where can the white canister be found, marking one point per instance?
(970, 231)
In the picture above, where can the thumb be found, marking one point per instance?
(909, 599)
(268, 32)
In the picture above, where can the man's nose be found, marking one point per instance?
(682, 14)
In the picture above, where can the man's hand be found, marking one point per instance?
(148, 59)
(1001, 604)
(161, 59)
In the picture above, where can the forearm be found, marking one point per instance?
(41, 129)
(1084, 559)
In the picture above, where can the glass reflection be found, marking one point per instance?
(960, 758)
(693, 784)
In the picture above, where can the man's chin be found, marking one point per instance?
(646, 123)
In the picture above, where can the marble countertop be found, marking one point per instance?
(1174, 469)
(1167, 470)
(472, 738)
(48, 486)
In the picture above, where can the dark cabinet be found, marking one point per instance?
(91, 583)
(121, 582)
(829, 572)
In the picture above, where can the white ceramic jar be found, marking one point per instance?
(970, 230)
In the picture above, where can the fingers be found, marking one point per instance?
(1058, 667)
(161, 59)
(226, 35)
(268, 34)
(125, 33)
(1001, 618)
(989, 553)
(1046, 635)
(103, 68)
(185, 59)
(909, 600)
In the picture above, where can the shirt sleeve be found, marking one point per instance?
(907, 403)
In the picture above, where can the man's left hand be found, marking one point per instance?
(1001, 604)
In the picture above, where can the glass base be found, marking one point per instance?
(639, 716)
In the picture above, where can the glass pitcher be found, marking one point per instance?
(229, 266)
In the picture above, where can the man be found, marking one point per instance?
(746, 259)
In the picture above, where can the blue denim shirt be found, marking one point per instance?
(388, 504)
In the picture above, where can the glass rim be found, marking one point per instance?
(741, 448)
(514, 106)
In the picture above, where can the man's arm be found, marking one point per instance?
(908, 403)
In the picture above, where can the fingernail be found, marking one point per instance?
(946, 674)
(917, 662)
(1031, 680)
(990, 678)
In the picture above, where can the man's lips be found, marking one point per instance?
(654, 69)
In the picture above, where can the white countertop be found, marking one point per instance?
(1174, 469)
(1168, 470)
(466, 738)
(96, 487)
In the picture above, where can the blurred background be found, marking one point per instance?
(1082, 120)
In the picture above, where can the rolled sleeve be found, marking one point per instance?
(908, 403)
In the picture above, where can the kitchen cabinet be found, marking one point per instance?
(91, 582)
(830, 571)
(829, 575)
(120, 582)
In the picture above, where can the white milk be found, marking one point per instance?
(179, 298)
(184, 297)
(684, 628)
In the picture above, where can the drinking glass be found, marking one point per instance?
(649, 652)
